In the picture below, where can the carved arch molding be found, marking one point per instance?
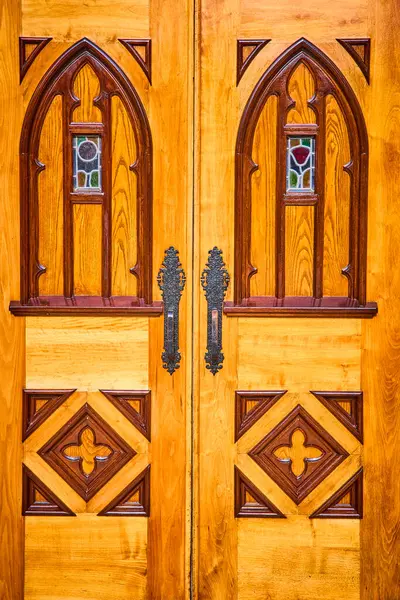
(328, 82)
(59, 82)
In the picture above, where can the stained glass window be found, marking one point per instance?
(86, 162)
(300, 164)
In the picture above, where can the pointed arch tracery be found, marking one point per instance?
(327, 81)
(60, 81)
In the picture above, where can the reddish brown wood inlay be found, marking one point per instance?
(57, 452)
(145, 63)
(335, 508)
(49, 504)
(123, 505)
(328, 81)
(244, 419)
(352, 420)
(298, 486)
(32, 416)
(141, 418)
(242, 62)
(59, 80)
(364, 61)
(260, 508)
(25, 61)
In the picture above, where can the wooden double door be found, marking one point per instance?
(200, 221)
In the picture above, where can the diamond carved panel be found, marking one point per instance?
(298, 454)
(86, 452)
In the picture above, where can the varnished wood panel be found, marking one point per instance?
(337, 201)
(86, 88)
(124, 202)
(50, 198)
(113, 350)
(263, 202)
(87, 221)
(293, 559)
(299, 250)
(301, 89)
(102, 555)
(12, 346)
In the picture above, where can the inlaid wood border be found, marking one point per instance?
(120, 506)
(30, 506)
(329, 80)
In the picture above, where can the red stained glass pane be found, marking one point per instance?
(301, 154)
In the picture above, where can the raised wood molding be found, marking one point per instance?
(352, 420)
(242, 62)
(122, 399)
(58, 454)
(123, 505)
(47, 505)
(245, 419)
(32, 416)
(26, 60)
(260, 508)
(335, 508)
(144, 63)
(363, 60)
(113, 82)
(329, 81)
(297, 487)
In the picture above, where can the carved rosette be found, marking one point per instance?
(171, 281)
(214, 280)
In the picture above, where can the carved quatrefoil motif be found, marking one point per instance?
(298, 454)
(86, 452)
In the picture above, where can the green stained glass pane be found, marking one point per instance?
(86, 167)
(306, 142)
(94, 180)
(293, 179)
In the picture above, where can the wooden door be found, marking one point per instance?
(298, 428)
(95, 104)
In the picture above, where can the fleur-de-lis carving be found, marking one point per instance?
(87, 452)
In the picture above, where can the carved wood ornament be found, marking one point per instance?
(39, 500)
(251, 406)
(133, 501)
(59, 81)
(144, 62)
(328, 81)
(135, 406)
(347, 407)
(298, 454)
(360, 50)
(346, 503)
(247, 50)
(38, 405)
(250, 501)
(86, 452)
(26, 58)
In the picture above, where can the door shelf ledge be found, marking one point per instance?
(301, 306)
(116, 306)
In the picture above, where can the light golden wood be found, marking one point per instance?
(301, 89)
(86, 89)
(87, 249)
(299, 250)
(50, 198)
(124, 202)
(103, 554)
(263, 203)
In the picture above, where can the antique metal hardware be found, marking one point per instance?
(171, 280)
(214, 281)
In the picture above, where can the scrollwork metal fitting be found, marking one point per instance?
(214, 281)
(171, 280)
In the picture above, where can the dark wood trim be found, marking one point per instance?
(298, 487)
(145, 64)
(243, 63)
(142, 419)
(333, 509)
(121, 506)
(70, 435)
(353, 421)
(263, 507)
(32, 418)
(89, 306)
(300, 306)
(364, 65)
(243, 419)
(59, 80)
(53, 507)
(26, 61)
(329, 81)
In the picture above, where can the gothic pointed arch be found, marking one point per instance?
(302, 121)
(93, 125)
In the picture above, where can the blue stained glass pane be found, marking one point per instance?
(300, 164)
(86, 168)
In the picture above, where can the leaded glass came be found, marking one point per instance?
(86, 162)
(300, 164)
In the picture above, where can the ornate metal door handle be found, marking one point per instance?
(214, 281)
(171, 281)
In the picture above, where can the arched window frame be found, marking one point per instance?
(328, 80)
(59, 81)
